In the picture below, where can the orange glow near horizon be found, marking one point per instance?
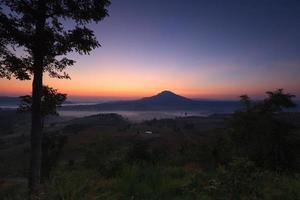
(131, 81)
(130, 87)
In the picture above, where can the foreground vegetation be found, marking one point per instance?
(252, 154)
(135, 169)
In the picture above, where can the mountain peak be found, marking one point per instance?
(166, 96)
(167, 92)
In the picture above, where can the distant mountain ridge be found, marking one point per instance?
(165, 100)
(6, 100)
(14, 101)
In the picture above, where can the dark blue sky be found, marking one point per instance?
(211, 27)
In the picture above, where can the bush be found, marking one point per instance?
(146, 182)
(278, 187)
(69, 185)
(52, 147)
(10, 191)
(106, 156)
(144, 151)
(239, 180)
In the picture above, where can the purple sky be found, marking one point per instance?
(197, 48)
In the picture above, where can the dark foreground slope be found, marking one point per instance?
(107, 157)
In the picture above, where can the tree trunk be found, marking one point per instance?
(36, 136)
(37, 89)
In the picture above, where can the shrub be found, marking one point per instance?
(144, 151)
(69, 185)
(282, 186)
(146, 182)
(52, 147)
(106, 156)
(239, 180)
(12, 191)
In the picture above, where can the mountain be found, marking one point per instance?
(4, 100)
(163, 101)
(165, 97)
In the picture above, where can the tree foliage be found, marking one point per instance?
(263, 133)
(64, 31)
(51, 100)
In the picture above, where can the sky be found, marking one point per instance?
(211, 49)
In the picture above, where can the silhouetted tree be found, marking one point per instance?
(246, 101)
(261, 133)
(35, 37)
(52, 143)
(51, 99)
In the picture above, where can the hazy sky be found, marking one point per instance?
(197, 48)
